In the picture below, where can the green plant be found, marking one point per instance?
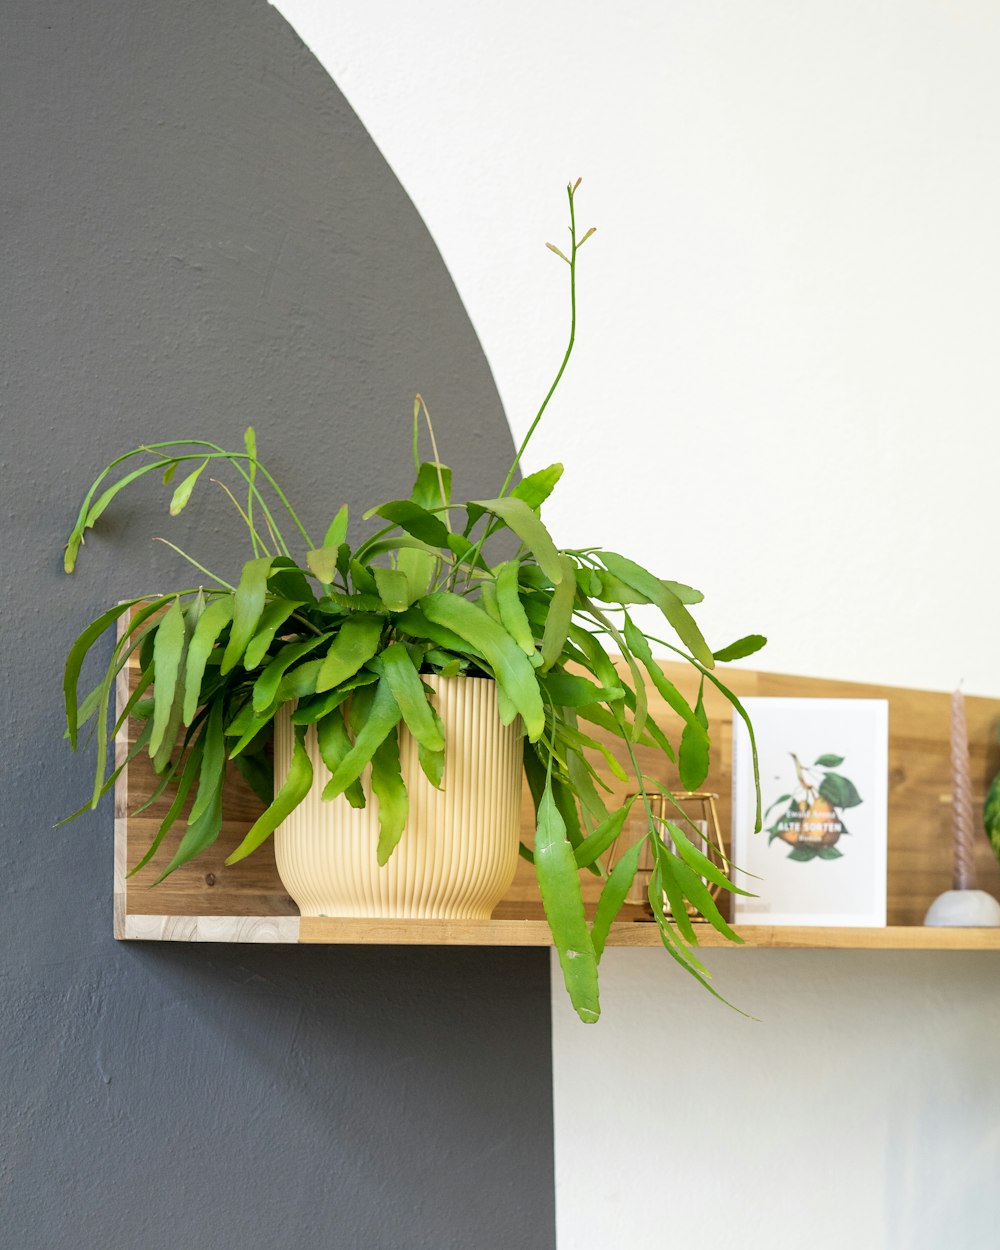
(991, 815)
(345, 632)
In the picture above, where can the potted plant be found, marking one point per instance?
(345, 657)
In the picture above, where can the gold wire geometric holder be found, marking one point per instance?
(699, 818)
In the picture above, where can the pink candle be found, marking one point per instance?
(964, 824)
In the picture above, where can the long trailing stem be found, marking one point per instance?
(571, 261)
(575, 245)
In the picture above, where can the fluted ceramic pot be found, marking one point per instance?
(458, 853)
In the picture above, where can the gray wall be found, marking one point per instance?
(197, 233)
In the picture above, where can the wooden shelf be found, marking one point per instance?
(207, 902)
(324, 931)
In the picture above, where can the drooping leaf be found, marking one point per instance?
(265, 688)
(512, 613)
(168, 651)
(686, 594)
(697, 891)
(212, 622)
(311, 710)
(570, 690)
(299, 682)
(524, 521)
(696, 859)
(213, 763)
(664, 881)
(189, 773)
(383, 717)
(275, 615)
(559, 885)
(393, 802)
(560, 614)
(597, 843)
(639, 646)
(680, 620)
(182, 494)
(354, 646)
(740, 649)
(510, 665)
(404, 681)
(200, 834)
(76, 656)
(427, 526)
(613, 895)
(248, 605)
(294, 789)
(694, 756)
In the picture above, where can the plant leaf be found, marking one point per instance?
(323, 561)
(337, 533)
(265, 688)
(76, 656)
(393, 802)
(512, 613)
(355, 644)
(616, 887)
(509, 664)
(639, 647)
(694, 756)
(680, 620)
(560, 614)
(524, 521)
(182, 494)
(213, 763)
(404, 681)
(740, 649)
(830, 761)
(275, 614)
(427, 488)
(189, 772)
(559, 885)
(536, 487)
(210, 625)
(248, 605)
(383, 717)
(596, 843)
(168, 650)
(393, 589)
(426, 526)
(295, 788)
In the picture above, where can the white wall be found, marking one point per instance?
(787, 392)
(859, 1112)
(787, 383)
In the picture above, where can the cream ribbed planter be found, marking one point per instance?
(458, 853)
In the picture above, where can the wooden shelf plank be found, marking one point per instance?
(206, 901)
(330, 931)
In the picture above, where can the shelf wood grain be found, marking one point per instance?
(329, 931)
(206, 901)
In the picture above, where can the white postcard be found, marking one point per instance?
(820, 858)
